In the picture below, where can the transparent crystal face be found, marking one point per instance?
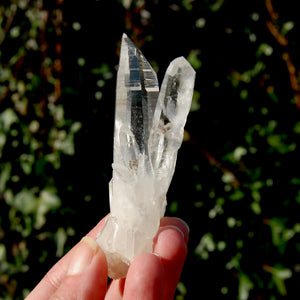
(148, 133)
(143, 92)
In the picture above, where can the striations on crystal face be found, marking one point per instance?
(149, 127)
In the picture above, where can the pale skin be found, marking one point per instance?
(82, 272)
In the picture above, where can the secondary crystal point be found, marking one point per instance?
(148, 133)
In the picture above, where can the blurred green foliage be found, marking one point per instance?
(237, 181)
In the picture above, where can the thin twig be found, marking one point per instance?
(9, 21)
(282, 40)
(274, 16)
(214, 162)
(235, 182)
(275, 32)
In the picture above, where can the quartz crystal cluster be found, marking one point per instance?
(149, 126)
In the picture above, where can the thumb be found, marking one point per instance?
(86, 277)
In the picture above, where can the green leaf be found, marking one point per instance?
(238, 153)
(195, 101)
(7, 118)
(47, 201)
(2, 253)
(181, 288)
(206, 245)
(173, 207)
(228, 177)
(279, 275)
(245, 286)
(5, 74)
(188, 4)
(61, 238)
(194, 59)
(4, 175)
(297, 128)
(103, 70)
(126, 3)
(26, 202)
(26, 162)
(255, 206)
(217, 5)
(236, 195)
(286, 27)
(280, 234)
(265, 49)
(276, 142)
(234, 262)
(295, 181)
(15, 32)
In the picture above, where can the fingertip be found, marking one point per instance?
(83, 255)
(170, 245)
(86, 277)
(177, 222)
(145, 278)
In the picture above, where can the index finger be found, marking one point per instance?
(52, 280)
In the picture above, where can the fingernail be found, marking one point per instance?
(184, 223)
(175, 227)
(83, 255)
(179, 223)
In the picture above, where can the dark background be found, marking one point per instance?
(237, 177)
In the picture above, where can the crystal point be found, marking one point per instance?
(148, 133)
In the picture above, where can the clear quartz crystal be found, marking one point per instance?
(148, 133)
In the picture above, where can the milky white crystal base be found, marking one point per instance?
(148, 133)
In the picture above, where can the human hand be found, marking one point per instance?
(82, 272)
